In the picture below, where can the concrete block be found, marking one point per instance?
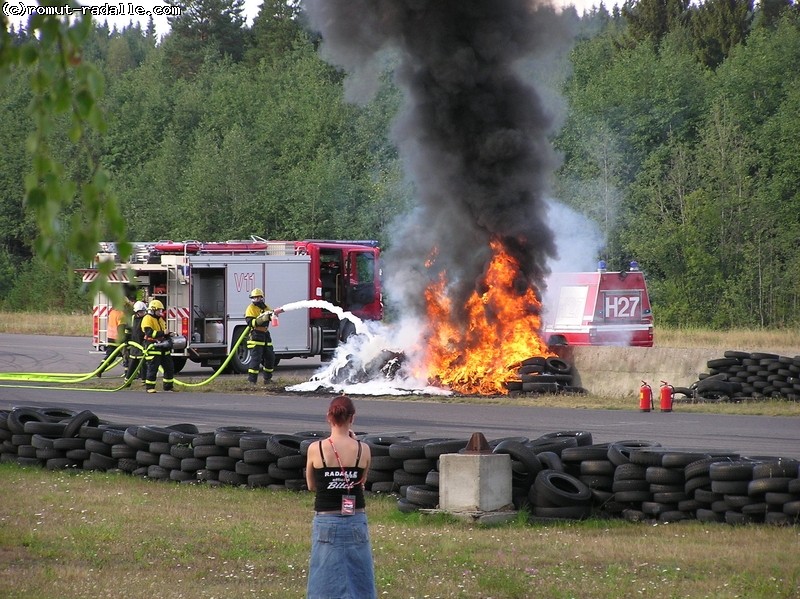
(474, 482)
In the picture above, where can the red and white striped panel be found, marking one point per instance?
(101, 311)
(178, 313)
(113, 277)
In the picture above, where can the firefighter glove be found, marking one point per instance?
(263, 318)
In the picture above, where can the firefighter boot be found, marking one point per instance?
(267, 377)
(252, 378)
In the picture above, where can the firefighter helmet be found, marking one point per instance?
(155, 305)
(256, 293)
(139, 306)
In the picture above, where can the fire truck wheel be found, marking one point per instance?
(346, 329)
(241, 359)
(179, 364)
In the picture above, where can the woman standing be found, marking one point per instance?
(341, 555)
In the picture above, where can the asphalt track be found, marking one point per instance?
(287, 413)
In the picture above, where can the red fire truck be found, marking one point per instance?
(205, 289)
(598, 308)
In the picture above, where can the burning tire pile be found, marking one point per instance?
(543, 375)
(746, 375)
(560, 475)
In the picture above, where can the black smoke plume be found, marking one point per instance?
(473, 133)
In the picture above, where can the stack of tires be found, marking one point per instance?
(559, 475)
(746, 375)
(543, 375)
(380, 478)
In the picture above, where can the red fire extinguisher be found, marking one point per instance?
(667, 393)
(645, 397)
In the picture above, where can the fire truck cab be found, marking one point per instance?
(205, 288)
(598, 308)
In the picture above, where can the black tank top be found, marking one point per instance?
(331, 485)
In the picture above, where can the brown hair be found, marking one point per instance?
(340, 410)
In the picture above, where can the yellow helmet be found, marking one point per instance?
(155, 305)
(256, 293)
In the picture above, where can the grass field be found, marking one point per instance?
(84, 535)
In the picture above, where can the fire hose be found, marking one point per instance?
(110, 362)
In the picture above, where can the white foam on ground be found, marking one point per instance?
(367, 350)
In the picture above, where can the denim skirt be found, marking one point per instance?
(341, 558)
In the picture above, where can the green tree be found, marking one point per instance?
(275, 31)
(204, 29)
(71, 215)
(651, 20)
(718, 26)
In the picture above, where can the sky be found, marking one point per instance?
(140, 9)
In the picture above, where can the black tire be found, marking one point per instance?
(721, 363)
(178, 363)
(385, 462)
(558, 366)
(231, 477)
(541, 388)
(68, 443)
(665, 476)
(619, 452)
(432, 479)
(153, 433)
(739, 355)
(532, 369)
(403, 478)
(246, 469)
(220, 462)
(630, 484)
(19, 416)
(525, 456)
(49, 429)
(192, 464)
(256, 441)
(731, 471)
(555, 444)
(241, 358)
(283, 445)
(778, 484)
(290, 462)
(585, 453)
(407, 450)
(73, 426)
(419, 465)
(228, 436)
(207, 451)
(380, 476)
(558, 489)
(423, 495)
(596, 467)
(437, 448)
(379, 445)
(582, 438)
(629, 472)
(550, 461)
(782, 467)
(730, 487)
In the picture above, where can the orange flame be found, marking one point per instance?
(502, 330)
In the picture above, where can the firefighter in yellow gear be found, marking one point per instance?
(262, 355)
(157, 343)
